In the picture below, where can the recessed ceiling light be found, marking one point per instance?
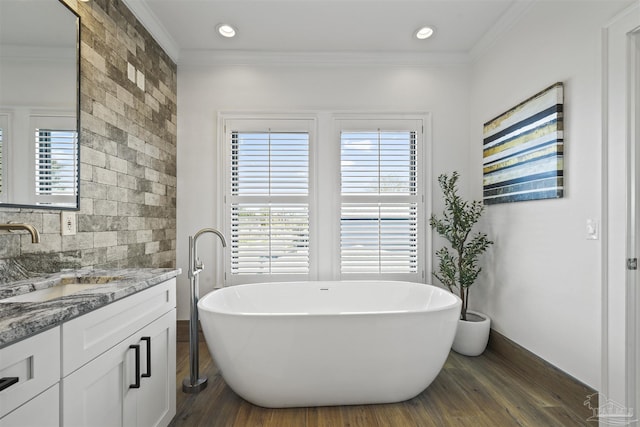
(424, 33)
(226, 30)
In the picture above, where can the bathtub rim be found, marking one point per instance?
(456, 301)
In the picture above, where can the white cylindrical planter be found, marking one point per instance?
(472, 335)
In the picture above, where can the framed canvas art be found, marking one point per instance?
(523, 150)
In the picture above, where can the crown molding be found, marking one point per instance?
(150, 21)
(229, 57)
(507, 20)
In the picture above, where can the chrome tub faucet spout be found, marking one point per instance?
(195, 265)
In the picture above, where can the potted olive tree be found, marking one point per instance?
(458, 266)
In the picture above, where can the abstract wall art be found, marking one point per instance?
(523, 150)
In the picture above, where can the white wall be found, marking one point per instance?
(543, 284)
(206, 90)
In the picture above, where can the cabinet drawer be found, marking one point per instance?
(88, 336)
(35, 362)
(41, 411)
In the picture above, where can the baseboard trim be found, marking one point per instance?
(566, 388)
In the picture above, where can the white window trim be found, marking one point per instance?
(324, 207)
(260, 122)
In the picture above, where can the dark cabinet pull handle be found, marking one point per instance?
(6, 382)
(148, 373)
(136, 347)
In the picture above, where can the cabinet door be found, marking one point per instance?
(101, 393)
(156, 398)
(95, 395)
(42, 411)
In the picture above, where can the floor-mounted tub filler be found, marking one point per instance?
(194, 383)
(329, 343)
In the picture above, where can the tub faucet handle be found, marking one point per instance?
(198, 267)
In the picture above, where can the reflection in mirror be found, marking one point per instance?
(39, 90)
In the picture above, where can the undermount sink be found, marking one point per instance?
(66, 286)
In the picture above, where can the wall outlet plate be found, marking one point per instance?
(68, 223)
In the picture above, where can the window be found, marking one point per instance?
(303, 202)
(56, 161)
(380, 200)
(269, 199)
(39, 152)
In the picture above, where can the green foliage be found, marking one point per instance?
(458, 266)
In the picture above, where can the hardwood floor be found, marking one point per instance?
(470, 391)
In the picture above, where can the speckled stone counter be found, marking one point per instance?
(19, 320)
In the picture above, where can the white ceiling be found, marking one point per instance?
(186, 27)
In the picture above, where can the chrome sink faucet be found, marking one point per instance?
(35, 236)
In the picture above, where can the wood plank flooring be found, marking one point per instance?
(470, 391)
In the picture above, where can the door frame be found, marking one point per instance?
(620, 306)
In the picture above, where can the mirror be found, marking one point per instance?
(39, 104)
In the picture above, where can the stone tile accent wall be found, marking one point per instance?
(127, 214)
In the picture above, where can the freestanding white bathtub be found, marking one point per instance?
(329, 343)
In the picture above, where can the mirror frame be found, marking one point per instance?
(78, 128)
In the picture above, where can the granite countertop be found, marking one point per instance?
(19, 320)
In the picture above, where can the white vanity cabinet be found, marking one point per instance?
(30, 375)
(119, 362)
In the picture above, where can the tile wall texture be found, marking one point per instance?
(127, 215)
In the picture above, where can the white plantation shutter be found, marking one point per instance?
(379, 202)
(378, 238)
(56, 162)
(378, 163)
(269, 202)
(270, 238)
(269, 163)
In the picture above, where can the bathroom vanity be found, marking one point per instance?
(89, 348)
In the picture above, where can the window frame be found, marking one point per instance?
(389, 123)
(261, 123)
(19, 156)
(53, 123)
(324, 190)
